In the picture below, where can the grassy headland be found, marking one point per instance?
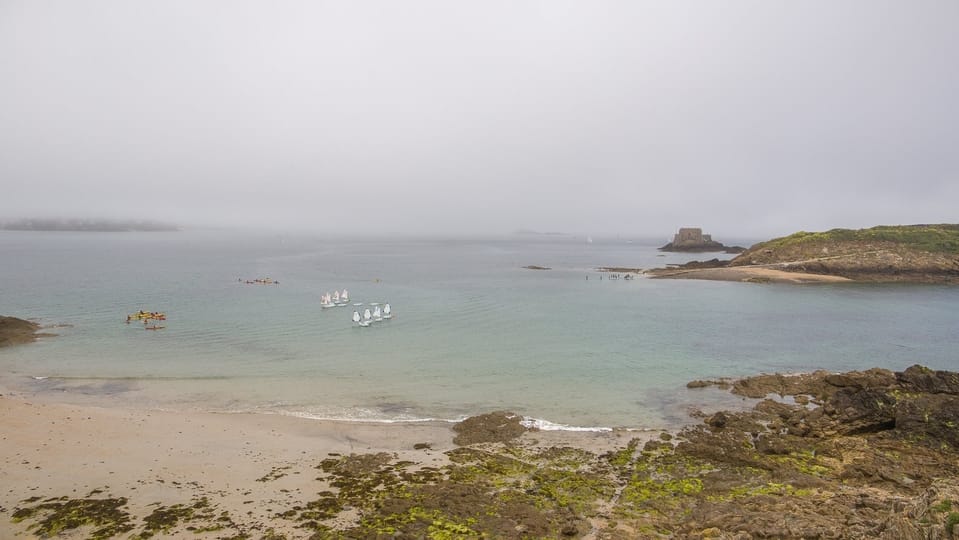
(887, 253)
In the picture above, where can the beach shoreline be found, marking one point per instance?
(246, 465)
(745, 274)
(877, 443)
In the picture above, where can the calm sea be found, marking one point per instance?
(472, 331)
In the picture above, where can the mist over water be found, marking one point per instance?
(473, 331)
(435, 118)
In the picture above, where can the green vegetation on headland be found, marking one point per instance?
(86, 225)
(872, 454)
(942, 238)
(883, 254)
(907, 253)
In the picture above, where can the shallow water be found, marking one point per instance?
(473, 331)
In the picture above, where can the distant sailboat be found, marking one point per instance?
(357, 320)
(377, 315)
(387, 312)
(325, 301)
(367, 318)
(589, 239)
(345, 297)
(336, 297)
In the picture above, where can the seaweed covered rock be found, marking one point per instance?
(499, 426)
(14, 331)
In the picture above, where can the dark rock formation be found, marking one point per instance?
(877, 458)
(499, 426)
(14, 331)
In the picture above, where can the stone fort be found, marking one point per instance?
(691, 236)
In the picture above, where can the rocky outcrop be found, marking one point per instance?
(869, 454)
(14, 331)
(499, 426)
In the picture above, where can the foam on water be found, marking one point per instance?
(546, 425)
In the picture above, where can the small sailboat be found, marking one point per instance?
(387, 312)
(357, 320)
(326, 302)
(345, 297)
(367, 318)
(377, 314)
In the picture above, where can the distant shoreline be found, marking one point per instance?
(87, 225)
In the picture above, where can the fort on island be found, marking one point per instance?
(691, 236)
(693, 239)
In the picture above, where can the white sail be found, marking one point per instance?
(336, 296)
(387, 312)
(366, 315)
(345, 296)
(377, 316)
(356, 316)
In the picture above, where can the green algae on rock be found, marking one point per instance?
(54, 516)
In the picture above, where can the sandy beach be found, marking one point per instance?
(247, 466)
(758, 274)
(778, 470)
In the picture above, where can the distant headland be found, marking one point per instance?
(882, 254)
(86, 225)
(692, 239)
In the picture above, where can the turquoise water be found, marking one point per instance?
(473, 331)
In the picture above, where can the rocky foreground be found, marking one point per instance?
(871, 454)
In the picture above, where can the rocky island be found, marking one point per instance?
(901, 253)
(692, 239)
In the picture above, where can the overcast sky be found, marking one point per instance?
(746, 118)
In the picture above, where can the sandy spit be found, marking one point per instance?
(745, 273)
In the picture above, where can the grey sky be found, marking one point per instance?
(747, 118)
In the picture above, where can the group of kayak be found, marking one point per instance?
(146, 317)
(259, 281)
